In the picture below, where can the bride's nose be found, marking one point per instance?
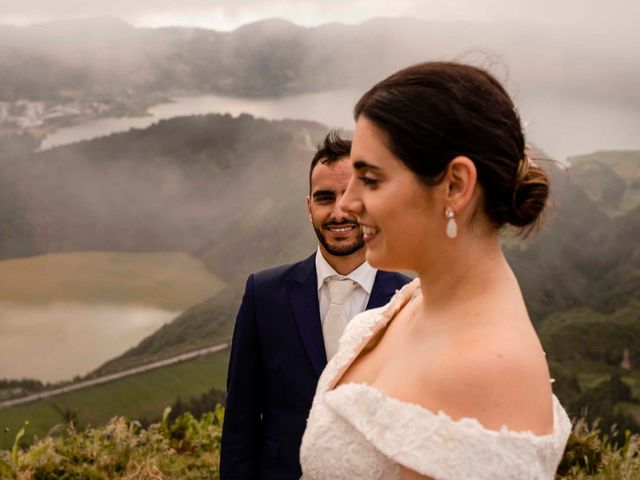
(350, 201)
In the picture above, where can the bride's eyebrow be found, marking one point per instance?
(362, 165)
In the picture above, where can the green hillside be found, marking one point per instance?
(582, 339)
(206, 324)
(142, 397)
(187, 184)
(586, 253)
(611, 179)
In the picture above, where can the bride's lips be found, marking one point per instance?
(368, 232)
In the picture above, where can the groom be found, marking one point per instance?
(289, 324)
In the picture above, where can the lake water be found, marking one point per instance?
(332, 108)
(574, 126)
(559, 125)
(54, 342)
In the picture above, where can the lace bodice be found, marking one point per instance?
(356, 431)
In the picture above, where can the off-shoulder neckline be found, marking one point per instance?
(559, 414)
(380, 318)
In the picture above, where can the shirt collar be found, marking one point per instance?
(364, 275)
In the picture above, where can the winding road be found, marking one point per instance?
(114, 376)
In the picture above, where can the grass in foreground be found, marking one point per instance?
(186, 449)
(590, 454)
(189, 449)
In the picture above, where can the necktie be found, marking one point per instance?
(336, 318)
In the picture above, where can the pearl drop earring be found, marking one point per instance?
(452, 226)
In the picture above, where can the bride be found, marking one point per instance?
(449, 380)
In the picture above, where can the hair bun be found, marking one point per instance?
(529, 195)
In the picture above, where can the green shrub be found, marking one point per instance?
(590, 454)
(185, 449)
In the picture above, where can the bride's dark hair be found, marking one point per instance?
(433, 112)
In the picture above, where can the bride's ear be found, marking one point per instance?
(460, 182)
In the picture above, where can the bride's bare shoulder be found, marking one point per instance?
(500, 378)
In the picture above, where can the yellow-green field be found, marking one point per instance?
(142, 396)
(173, 281)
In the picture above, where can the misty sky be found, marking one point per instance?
(228, 14)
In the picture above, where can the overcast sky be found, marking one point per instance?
(229, 14)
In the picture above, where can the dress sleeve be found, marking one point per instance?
(439, 447)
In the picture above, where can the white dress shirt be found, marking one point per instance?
(364, 276)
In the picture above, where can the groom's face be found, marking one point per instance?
(337, 230)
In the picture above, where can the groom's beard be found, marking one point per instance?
(341, 250)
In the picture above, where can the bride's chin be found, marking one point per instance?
(376, 259)
(370, 257)
(382, 260)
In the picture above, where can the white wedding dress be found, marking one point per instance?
(357, 432)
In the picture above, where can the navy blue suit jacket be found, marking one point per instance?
(277, 356)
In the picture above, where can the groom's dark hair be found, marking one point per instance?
(332, 149)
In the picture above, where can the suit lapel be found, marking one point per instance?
(303, 297)
(383, 289)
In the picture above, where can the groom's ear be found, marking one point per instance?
(309, 208)
(460, 182)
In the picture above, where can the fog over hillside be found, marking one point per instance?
(186, 184)
(106, 56)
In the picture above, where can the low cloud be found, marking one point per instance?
(229, 14)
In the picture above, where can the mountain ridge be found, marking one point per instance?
(250, 59)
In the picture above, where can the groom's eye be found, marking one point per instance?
(323, 197)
